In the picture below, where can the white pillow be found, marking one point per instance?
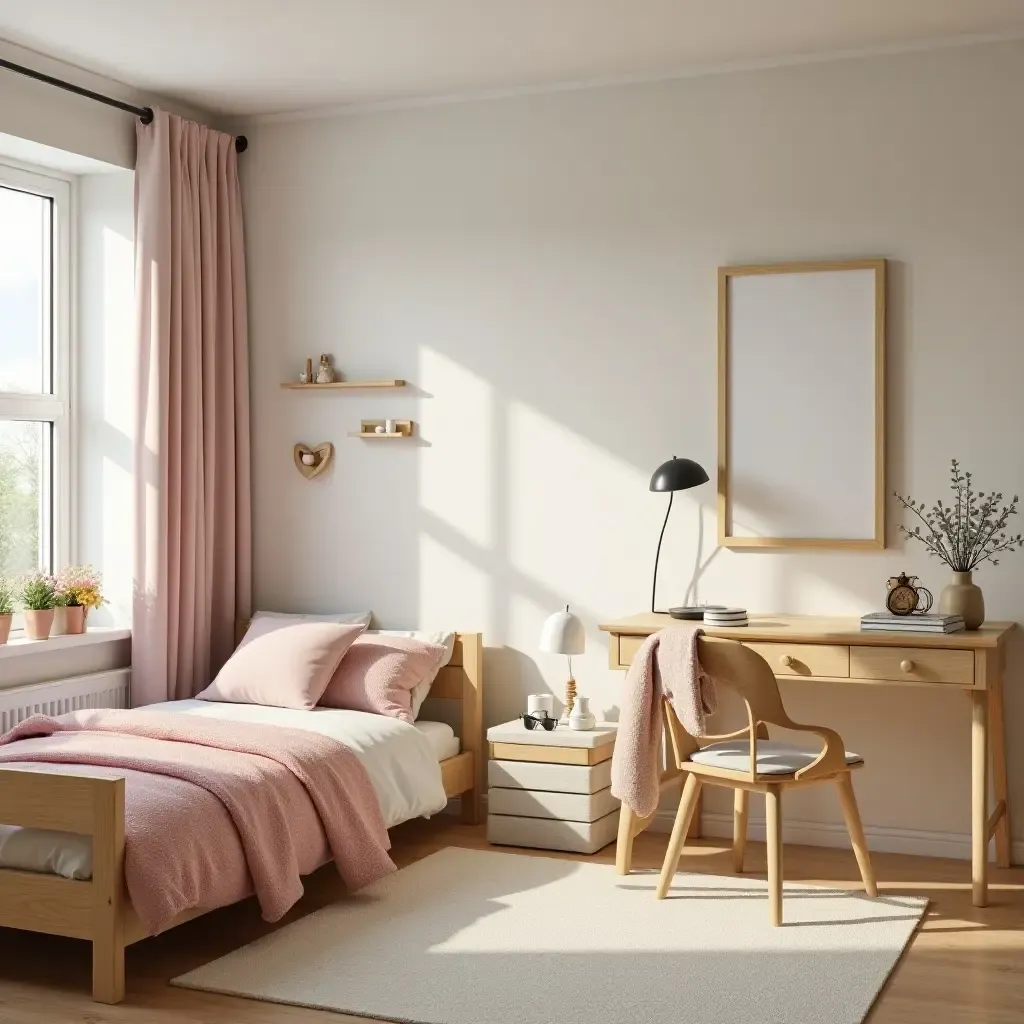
(419, 692)
(290, 618)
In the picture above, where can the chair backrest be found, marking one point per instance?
(737, 668)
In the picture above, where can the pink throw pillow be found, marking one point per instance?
(378, 674)
(283, 667)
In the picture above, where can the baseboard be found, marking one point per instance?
(817, 833)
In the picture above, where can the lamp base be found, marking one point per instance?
(570, 700)
(694, 613)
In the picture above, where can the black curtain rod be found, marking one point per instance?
(144, 114)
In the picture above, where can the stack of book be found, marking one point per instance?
(915, 622)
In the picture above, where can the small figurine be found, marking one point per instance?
(325, 375)
(303, 378)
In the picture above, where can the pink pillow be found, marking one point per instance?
(283, 667)
(378, 674)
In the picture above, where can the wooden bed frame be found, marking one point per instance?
(99, 909)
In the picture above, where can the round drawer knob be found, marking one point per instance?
(785, 661)
(907, 665)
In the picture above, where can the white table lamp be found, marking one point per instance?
(563, 633)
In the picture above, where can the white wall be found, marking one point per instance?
(104, 396)
(543, 270)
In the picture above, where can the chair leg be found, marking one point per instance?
(773, 814)
(741, 802)
(687, 805)
(853, 825)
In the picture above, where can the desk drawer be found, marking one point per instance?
(628, 646)
(805, 659)
(913, 664)
(785, 659)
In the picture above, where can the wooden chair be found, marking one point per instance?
(748, 761)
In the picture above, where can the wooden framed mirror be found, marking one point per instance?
(801, 405)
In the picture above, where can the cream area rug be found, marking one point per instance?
(474, 937)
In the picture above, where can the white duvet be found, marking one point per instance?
(402, 761)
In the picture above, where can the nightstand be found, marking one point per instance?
(550, 790)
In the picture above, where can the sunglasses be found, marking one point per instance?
(541, 718)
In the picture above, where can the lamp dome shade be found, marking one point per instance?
(563, 633)
(678, 475)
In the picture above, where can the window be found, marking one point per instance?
(35, 299)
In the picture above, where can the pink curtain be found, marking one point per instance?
(193, 560)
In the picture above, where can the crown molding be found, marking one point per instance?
(360, 108)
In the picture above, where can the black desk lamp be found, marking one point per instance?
(674, 475)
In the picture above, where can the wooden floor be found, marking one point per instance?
(966, 966)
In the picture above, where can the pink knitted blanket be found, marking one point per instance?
(199, 792)
(666, 666)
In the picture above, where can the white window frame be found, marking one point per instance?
(55, 408)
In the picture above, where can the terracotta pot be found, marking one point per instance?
(74, 619)
(963, 597)
(38, 624)
(5, 628)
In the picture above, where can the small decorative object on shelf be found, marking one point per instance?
(379, 429)
(6, 608)
(79, 589)
(38, 592)
(970, 531)
(389, 427)
(563, 633)
(325, 375)
(905, 596)
(311, 462)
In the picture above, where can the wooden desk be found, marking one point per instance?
(833, 650)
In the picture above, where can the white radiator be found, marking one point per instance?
(96, 690)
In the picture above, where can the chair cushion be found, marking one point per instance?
(773, 756)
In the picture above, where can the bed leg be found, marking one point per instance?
(107, 971)
(472, 806)
(108, 893)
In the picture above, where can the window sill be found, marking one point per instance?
(20, 646)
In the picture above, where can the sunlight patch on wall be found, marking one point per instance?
(118, 504)
(118, 330)
(454, 593)
(456, 471)
(575, 510)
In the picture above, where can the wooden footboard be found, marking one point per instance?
(95, 909)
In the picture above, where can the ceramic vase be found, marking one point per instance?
(5, 628)
(580, 718)
(963, 597)
(38, 624)
(74, 619)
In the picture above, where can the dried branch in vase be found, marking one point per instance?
(970, 531)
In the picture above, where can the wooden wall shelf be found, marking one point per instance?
(343, 385)
(367, 429)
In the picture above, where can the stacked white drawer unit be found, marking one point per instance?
(550, 790)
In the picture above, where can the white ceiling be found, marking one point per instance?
(265, 56)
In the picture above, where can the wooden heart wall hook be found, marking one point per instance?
(312, 462)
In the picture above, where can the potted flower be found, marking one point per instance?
(6, 608)
(38, 592)
(970, 531)
(78, 590)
